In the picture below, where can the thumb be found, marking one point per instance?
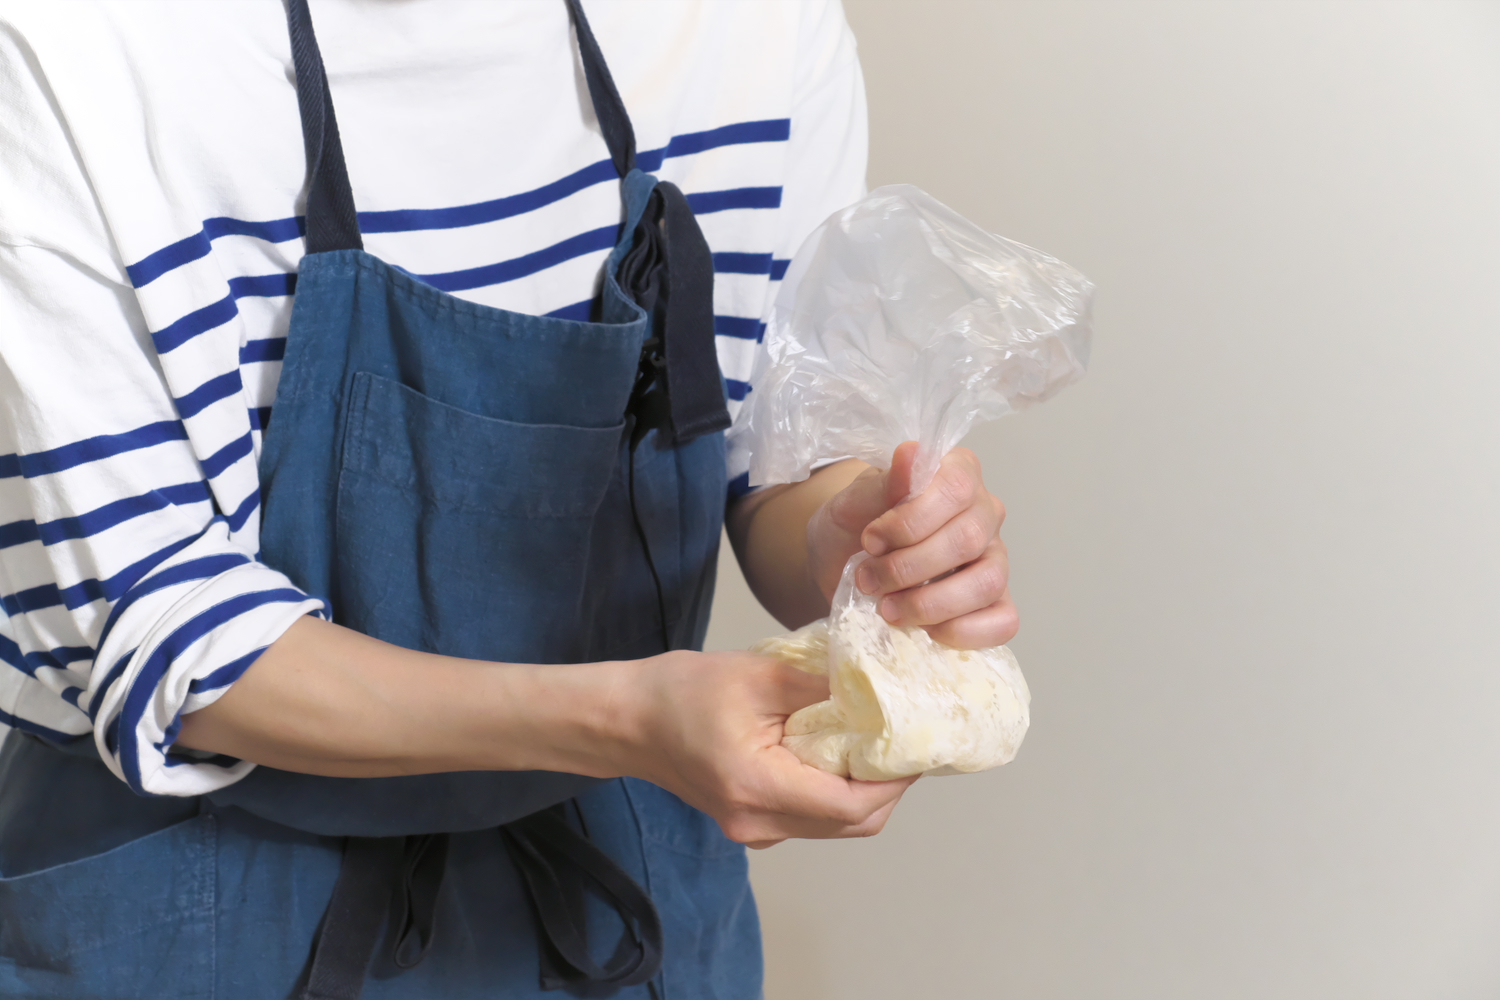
(898, 480)
(792, 689)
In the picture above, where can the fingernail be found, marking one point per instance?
(873, 544)
(888, 609)
(865, 577)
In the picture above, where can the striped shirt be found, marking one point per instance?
(151, 175)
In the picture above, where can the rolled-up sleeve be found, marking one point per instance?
(129, 514)
(130, 595)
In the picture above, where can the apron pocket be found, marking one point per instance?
(462, 461)
(445, 517)
(136, 921)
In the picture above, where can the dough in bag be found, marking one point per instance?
(902, 702)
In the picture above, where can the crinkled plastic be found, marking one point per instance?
(900, 320)
(902, 703)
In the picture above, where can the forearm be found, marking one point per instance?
(768, 530)
(327, 700)
(705, 726)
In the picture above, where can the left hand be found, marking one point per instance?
(936, 559)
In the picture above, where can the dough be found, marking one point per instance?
(902, 702)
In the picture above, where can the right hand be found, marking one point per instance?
(708, 726)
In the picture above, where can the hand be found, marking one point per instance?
(708, 726)
(936, 558)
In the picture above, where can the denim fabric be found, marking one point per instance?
(452, 478)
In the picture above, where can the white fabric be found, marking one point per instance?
(140, 325)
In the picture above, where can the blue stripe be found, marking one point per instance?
(210, 392)
(92, 449)
(189, 249)
(705, 202)
(275, 231)
(114, 674)
(244, 510)
(112, 735)
(18, 533)
(35, 728)
(740, 327)
(184, 251)
(144, 686)
(740, 133)
(173, 759)
(739, 485)
(226, 456)
(269, 349)
(194, 569)
(742, 263)
(263, 285)
(778, 268)
(735, 388)
(30, 663)
(174, 335)
(49, 595)
(200, 321)
(170, 257)
(227, 674)
(101, 518)
(405, 220)
(594, 240)
(413, 219)
(260, 418)
(210, 317)
(580, 311)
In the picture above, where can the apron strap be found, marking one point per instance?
(331, 221)
(375, 872)
(351, 924)
(609, 109)
(557, 864)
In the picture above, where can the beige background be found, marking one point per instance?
(1255, 550)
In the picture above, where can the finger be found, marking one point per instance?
(780, 817)
(859, 503)
(958, 485)
(773, 828)
(875, 823)
(992, 626)
(804, 792)
(761, 845)
(977, 585)
(898, 479)
(790, 689)
(965, 538)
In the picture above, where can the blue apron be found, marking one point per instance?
(463, 480)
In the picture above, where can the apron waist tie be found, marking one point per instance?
(557, 865)
(556, 862)
(375, 872)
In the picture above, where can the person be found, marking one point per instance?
(363, 483)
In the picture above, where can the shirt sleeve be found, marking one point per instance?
(827, 155)
(130, 586)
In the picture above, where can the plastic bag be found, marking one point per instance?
(900, 320)
(903, 703)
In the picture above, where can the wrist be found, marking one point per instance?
(581, 718)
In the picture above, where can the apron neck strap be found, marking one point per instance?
(614, 122)
(331, 222)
